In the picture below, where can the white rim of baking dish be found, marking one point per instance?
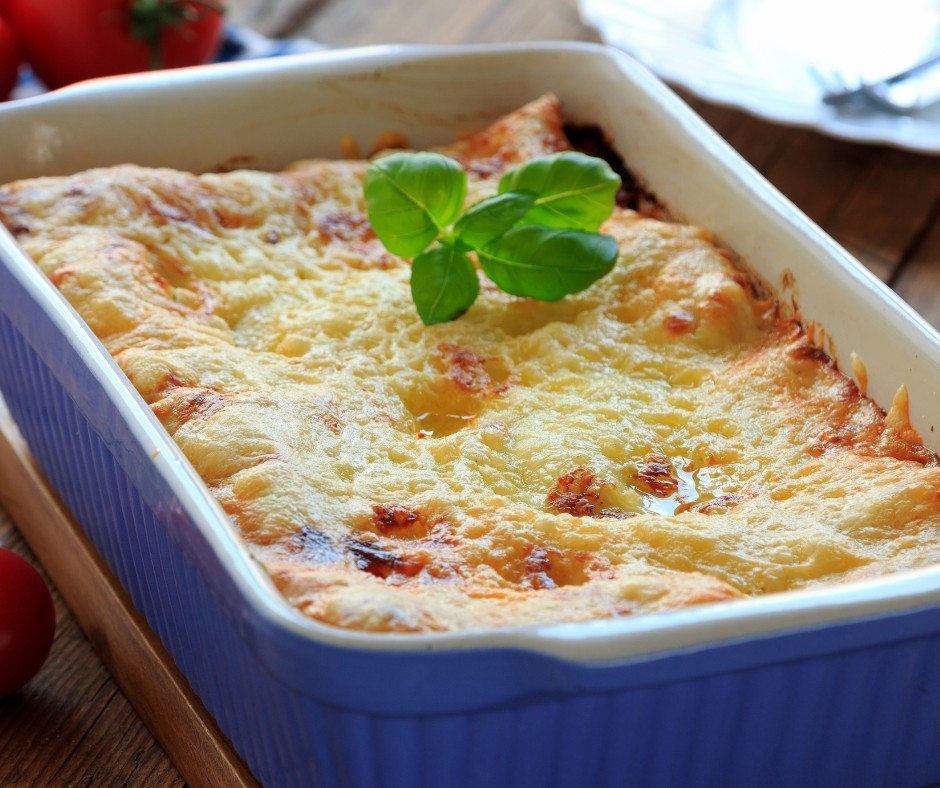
(585, 642)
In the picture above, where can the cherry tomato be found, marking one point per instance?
(10, 59)
(27, 621)
(69, 41)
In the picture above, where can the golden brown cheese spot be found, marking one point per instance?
(536, 130)
(344, 227)
(383, 561)
(580, 493)
(541, 567)
(538, 567)
(807, 352)
(656, 476)
(400, 520)
(467, 369)
(720, 504)
(680, 322)
(473, 372)
(445, 406)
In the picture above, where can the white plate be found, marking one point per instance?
(760, 55)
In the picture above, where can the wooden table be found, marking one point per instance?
(73, 726)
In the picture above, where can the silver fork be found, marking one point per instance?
(903, 93)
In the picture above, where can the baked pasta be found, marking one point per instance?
(669, 437)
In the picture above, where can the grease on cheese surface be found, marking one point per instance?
(666, 438)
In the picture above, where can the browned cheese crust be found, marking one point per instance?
(665, 438)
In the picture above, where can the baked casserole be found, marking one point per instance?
(672, 436)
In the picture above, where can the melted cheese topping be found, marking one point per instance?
(665, 438)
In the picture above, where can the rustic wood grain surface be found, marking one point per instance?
(72, 726)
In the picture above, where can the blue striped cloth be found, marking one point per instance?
(239, 43)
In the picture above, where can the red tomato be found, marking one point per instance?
(10, 59)
(27, 621)
(69, 41)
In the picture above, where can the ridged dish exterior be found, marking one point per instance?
(850, 703)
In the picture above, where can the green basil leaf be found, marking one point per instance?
(490, 218)
(547, 263)
(444, 284)
(412, 197)
(572, 190)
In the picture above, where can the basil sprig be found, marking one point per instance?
(536, 238)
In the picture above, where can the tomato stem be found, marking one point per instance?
(148, 19)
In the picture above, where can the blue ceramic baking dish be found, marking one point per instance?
(832, 687)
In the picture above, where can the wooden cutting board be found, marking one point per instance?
(118, 633)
